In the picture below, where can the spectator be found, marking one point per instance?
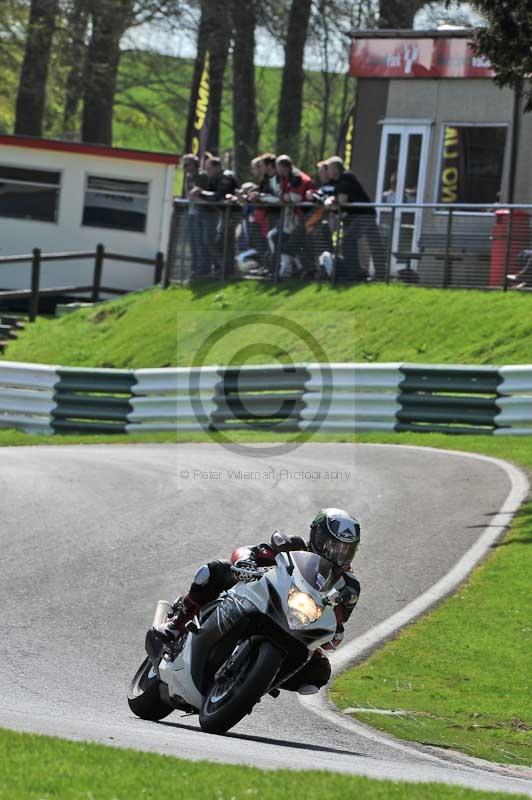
(357, 222)
(319, 224)
(266, 211)
(326, 186)
(270, 171)
(293, 187)
(258, 172)
(194, 179)
(220, 184)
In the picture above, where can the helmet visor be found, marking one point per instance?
(338, 553)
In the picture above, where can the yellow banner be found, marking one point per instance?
(201, 121)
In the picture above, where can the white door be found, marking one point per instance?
(402, 170)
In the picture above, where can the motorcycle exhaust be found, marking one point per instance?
(162, 610)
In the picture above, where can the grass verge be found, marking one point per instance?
(368, 323)
(461, 675)
(43, 768)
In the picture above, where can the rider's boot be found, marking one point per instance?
(183, 611)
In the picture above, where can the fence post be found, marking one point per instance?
(389, 252)
(226, 264)
(97, 275)
(35, 284)
(337, 249)
(507, 249)
(277, 254)
(447, 263)
(159, 267)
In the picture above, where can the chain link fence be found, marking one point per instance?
(445, 246)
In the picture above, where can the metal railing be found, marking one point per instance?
(37, 258)
(446, 246)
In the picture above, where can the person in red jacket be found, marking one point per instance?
(294, 184)
(334, 535)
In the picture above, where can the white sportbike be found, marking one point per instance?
(245, 644)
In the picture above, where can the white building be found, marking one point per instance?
(69, 196)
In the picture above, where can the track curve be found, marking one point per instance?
(92, 536)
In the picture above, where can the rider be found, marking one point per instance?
(334, 535)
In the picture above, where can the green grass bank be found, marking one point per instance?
(369, 323)
(43, 768)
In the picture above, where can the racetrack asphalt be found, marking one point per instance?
(91, 537)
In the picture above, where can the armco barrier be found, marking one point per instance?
(27, 396)
(342, 398)
(170, 399)
(448, 399)
(515, 402)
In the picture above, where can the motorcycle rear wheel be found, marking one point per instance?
(222, 711)
(143, 696)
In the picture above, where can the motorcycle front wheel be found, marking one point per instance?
(232, 696)
(143, 695)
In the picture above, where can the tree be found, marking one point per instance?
(31, 96)
(110, 19)
(245, 124)
(214, 37)
(291, 100)
(505, 40)
(398, 13)
(76, 59)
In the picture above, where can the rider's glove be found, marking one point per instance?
(167, 633)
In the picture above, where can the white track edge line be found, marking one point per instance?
(363, 645)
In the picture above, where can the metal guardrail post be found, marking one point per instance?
(389, 251)
(447, 263)
(159, 268)
(35, 284)
(97, 275)
(507, 248)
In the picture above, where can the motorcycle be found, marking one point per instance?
(244, 645)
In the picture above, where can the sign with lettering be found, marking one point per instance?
(416, 58)
(450, 166)
(200, 133)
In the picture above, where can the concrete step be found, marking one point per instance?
(14, 322)
(8, 332)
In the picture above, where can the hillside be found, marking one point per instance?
(152, 97)
(361, 323)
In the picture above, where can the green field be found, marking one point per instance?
(369, 323)
(42, 768)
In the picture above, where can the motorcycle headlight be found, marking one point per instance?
(302, 609)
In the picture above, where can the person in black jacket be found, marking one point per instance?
(334, 535)
(220, 184)
(357, 222)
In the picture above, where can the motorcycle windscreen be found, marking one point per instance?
(315, 570)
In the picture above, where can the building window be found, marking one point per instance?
(31, 194)
(471, 164)
(115, 203)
